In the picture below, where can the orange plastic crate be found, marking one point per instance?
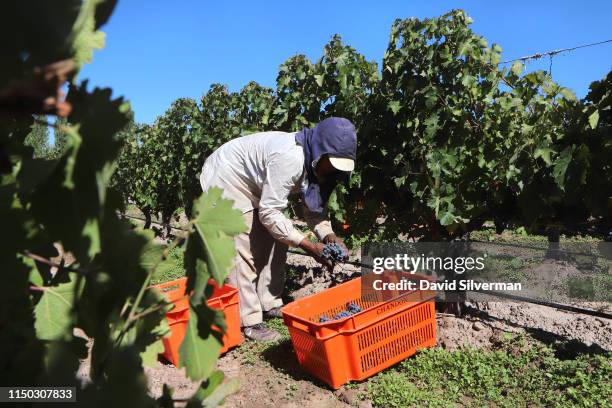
(224, 298)
(356, 347)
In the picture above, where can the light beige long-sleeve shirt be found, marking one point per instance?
(260, 171)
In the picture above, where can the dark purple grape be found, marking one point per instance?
(334, 252)
(353, 308)
(342, 315)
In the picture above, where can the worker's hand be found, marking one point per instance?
(315, 249)
(332, 238)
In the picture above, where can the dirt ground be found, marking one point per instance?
(270, 376)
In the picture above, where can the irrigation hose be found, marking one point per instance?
(592, 312)
(560, 306)
(132, 217)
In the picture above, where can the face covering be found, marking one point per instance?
(335, 137)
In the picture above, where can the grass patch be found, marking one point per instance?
(488, 234)
(171, 269)
(593, 288)
(252, 352)
(515, 375)
(520, 235)
(278, 325)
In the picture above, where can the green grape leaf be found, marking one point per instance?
(568, 94)
(394, 106)
(447, 219)
(152, 351)
(560, 167)
(82, 176)
(517, 68)
(594, 119)
(86, 37)
(146, 332)
(544, 153)
(53, 313)
(210, 246)
(201, 345)
(319, 79)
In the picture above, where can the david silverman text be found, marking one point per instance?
(468, 284)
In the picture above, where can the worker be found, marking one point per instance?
(259, 172)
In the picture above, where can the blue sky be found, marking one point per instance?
(157, 51)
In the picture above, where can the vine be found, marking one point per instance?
(448, 136)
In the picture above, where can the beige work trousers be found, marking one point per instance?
(259, 270)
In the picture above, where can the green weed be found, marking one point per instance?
(278, 325)
(171, 269)
(515, 375)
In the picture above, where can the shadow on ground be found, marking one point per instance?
(282, 358)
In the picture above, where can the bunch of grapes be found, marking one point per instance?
(335, 252)
(351, 309)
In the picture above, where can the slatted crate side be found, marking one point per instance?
(385, 343)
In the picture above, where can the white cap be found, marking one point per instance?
(342, 163)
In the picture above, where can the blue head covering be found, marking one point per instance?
(335, 137)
